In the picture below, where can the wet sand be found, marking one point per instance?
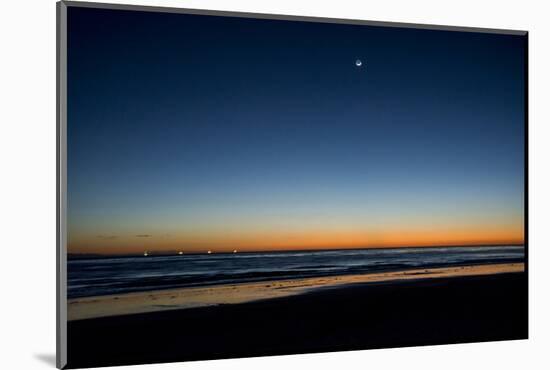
(174, 299)
(412, 311)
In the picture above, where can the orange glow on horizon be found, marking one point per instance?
(298, 240)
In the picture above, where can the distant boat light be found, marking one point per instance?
(180, 253)
(234, 251)
(209, 252)
(145, 254)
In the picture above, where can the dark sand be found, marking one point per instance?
(359, 316)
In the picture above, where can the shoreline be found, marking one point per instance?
(397, 313)
(215, 295)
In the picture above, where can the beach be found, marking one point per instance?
(184, 298)
(387, 309)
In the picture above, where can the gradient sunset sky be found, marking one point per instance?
(197, 132)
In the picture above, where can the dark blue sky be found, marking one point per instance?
(227, 130)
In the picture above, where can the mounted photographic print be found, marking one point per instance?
(235, 185)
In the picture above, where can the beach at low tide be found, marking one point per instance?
(193, 297)
(409, 308)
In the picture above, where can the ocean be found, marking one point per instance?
(102, 276)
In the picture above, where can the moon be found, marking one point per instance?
(358, 63)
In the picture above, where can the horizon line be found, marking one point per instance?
(169, 252)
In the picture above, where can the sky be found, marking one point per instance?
(199, 133)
